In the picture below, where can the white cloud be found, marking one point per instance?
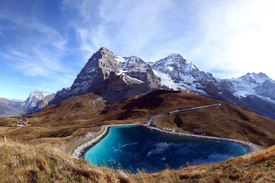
(238, 37)
(33, 47)
(127, 27)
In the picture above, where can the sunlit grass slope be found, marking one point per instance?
(29, 163)
(81, 114)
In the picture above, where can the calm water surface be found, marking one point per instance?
(135, 148)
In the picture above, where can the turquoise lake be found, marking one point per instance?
(135, 148)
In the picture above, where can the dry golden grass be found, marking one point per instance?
(78, 115)
(57, 124)
(28, 163)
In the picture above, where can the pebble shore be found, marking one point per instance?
(80, 150)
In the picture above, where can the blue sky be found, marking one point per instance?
(45, 43)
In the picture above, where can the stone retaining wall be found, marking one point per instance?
(80, 150)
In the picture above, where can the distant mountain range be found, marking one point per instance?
(115, 78)
(35, 101)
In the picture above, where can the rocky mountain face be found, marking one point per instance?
(37, 100)
(137, 68)
(115, 78)
(178, 73)
(112, 77)
(254, 91)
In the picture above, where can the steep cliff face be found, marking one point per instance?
(96, 71)
(115, 78)
(137, 68)
(103, 74)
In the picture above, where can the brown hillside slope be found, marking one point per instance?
(28, 163)
(228, 121)
(78, 115)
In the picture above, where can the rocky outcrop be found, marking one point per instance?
(137, 68)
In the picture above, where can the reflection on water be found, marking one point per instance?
(134, 148)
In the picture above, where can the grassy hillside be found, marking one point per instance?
(35, 159)
(226, 121)
(29, 163)
(81, 114)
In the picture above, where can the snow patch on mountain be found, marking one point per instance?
(259, 85)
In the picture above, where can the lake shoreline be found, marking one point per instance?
(80, 151)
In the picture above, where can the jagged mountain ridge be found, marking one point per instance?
(35, 101)
(254, 91)
(103, 74)
(178, 73)
(114, 78)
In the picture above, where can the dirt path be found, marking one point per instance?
(11, 130)
(74, 143)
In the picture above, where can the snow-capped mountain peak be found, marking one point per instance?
(256, 78)
(177, 72)
(38, 100)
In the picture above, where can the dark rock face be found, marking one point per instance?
(103, 74)
(96, 70)
(137, 68)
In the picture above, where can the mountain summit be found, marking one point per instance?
(112, 77)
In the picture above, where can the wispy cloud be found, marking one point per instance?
(38, 46)
(225, 35)
(237, 37)
(125, 26)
